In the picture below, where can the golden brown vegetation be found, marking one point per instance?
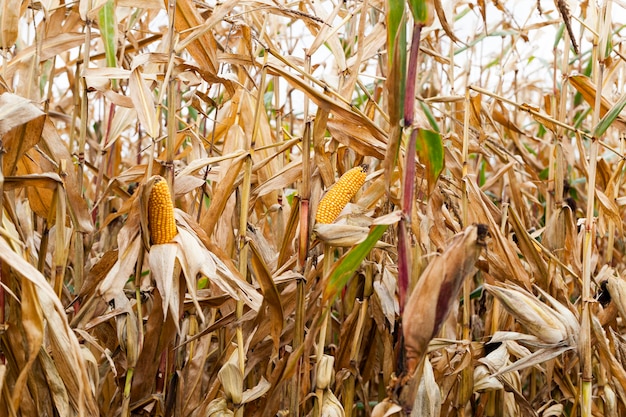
(494, 189)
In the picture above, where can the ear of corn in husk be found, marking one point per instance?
(161, 212)
(549, 325)
(339, 195)
(325, 371)
(331, 407)
(127, 332)
(617, 290)
(571, 322)
(231, 377)
(218, 408)
(428, 399)
(610, 402)
(437, 290)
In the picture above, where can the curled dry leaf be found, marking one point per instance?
(437, 290)
(16, 111)
(387, 408)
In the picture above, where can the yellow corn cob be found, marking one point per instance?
(161, 213)
(339, 195)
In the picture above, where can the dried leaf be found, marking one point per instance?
(16, 111)
(143, 100)
(270, 293)
(9, 24)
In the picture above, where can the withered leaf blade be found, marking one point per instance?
(19, 140)
(16, 111)
(270, 293)
(436, 291)
(143, 101)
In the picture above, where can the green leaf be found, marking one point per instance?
(396, 78)
(429, 146)
(203, 283)
(429, 115)
(397, 46)
(422, 12)
(108, 31)
(395, 22)
(345, 267)
(610, 117)
(559, 36)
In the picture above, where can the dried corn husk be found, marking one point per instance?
(343, 235)
(387, 408)
(231, 377)
(325, 371)
(437, 290)
(610, 402)
(617, 289)
(218, 408)
(549, 325)
(428, 399)
(331, 407)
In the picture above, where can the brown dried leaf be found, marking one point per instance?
(9, 23)
(129, 243)
(587, 89)
(63, 343)
(32, 325)
(270, 294)
(143, 101)
(221, 194)
(441, 14)
(204, 48)
(57, 150)
(50, 47)
(16, 111)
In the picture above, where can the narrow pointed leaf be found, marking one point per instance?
(396, 79)
(142, 98)
(350, 262)
(270, 293)
(430, 152)
(610, 117)
(106, 21)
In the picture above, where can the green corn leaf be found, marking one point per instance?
(397, 47)
(430, 151)
(429, 115)
(423, 11)
(395, 22)
(345, 267)
(610, 117)
(108, 31)
(396, 78)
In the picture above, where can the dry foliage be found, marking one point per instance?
(250, 110)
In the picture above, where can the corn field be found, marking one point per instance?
(312, 208)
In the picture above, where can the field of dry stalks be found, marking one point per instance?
(476, 271)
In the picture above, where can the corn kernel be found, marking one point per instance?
(161, 213)
(340, 194)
